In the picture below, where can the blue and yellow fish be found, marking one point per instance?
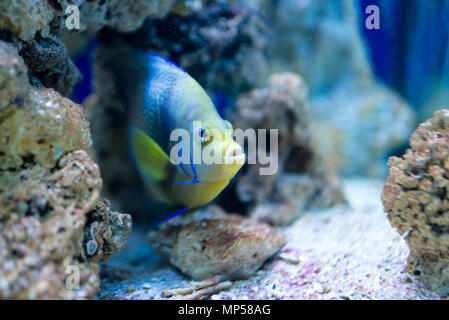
(161, 97)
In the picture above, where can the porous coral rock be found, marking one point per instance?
(416, 200)
(33, 27)
(223, 47)
(45, 214)
(42, 130)
(42, 222)
(49, 64)
(303, 178)
(13, 80)
(24, 18)
(210, 243)
(106, 232)
(122, 15)
(48, 188)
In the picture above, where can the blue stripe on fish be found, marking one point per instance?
(170, 217)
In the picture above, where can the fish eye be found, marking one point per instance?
(202, 134)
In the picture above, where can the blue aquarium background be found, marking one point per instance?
(407, 52)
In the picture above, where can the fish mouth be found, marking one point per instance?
(233, 159)
(234, 155)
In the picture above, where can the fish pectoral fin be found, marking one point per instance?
(150, 158)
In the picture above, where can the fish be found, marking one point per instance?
(161, 97)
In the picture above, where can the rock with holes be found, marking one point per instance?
(40, 129)
(35, 27)
(209, 242)
(122, 15)
(36, 125)
(45, 214)
(106, 232)
(49, 64)
(416, 199)
(49, 194)
(42, 218)
(300, 176)
(13, 80)
(25, 18)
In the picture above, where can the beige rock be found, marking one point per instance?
(227, 245)
(13, 80)
(42, 218)
(122, 15)
(25, 18)
(41, 131)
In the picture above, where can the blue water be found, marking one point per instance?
(411, 46)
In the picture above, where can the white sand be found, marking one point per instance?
(339, 253)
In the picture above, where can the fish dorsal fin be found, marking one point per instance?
(149, 156)
(164, 61)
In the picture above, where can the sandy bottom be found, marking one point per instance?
(339, 253)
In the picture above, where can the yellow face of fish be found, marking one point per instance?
(221, 156)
